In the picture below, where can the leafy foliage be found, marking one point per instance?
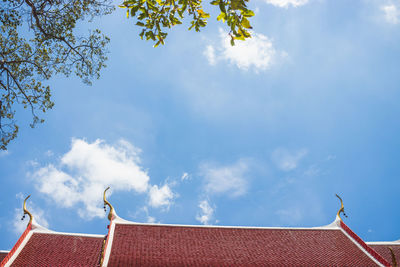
(155, 16)
(37, 40)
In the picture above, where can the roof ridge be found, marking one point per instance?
(47, 231)
(396, 242)
(365, 248)
(108, 243)
(332, 226)
(22, 240)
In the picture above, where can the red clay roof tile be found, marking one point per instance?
(161, 245)
(383, 250)
(45, 249)
(3, 255)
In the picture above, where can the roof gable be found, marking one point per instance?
(163, 245)
(48, 249)
(39, 246)
(383, 249)
(3, 254)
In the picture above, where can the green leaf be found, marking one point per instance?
(221, 16)
(176, 21)
(141, 34)
(246, 23)
(141, 16)
(241, 38)
(222, 6)
(157, 44)
(248, 13)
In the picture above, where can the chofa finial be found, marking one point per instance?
(27, 212)
(341, 210)
(394, 262)
(111, 213)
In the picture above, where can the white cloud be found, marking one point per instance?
(151, 219)
(19, 225)
(291, 215)
(210, 54)
(287, 3)
(206, 213)
(160, 197)
(287, 160)
(142, 214)
(185, 176)
(225, 179)
(88, 168)
(3, 153)
(312, 171)
(391, 13)
(256, 52)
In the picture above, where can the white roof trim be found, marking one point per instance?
(361, 248)
(397, 242)
(21, 246)
(35, 225)
(331, 226)
(4, 251)
(46, 231)
(110, 237)
(37, 228)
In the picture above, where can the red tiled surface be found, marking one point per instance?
(3, 255)
(384, 251)
(370, 250)
(149, 245)
(60, 250)
(16, 246)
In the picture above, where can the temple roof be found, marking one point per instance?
(162, 245)
(3, 254)
(41, 247)
(383, 249)
(142, 244)
(137, 244)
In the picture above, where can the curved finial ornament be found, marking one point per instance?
(26, 211)
(111, 213)
(341, 210)
(394, 262)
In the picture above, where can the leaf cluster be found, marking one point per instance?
(156, 16)
(37, 41)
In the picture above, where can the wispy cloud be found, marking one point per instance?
(160, 196)
(256, 53)
(291, 215)
(287, 160)
(142, 214)
(151, 219)
(391, 13)
(206, 212)
(185, 176)
(287, 3)
(228, 179)
(209, 53)
(87, 169)
(4, 153)
(49, 153)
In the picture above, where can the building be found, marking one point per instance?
(142, 244)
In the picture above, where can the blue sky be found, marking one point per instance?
(197, 132)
